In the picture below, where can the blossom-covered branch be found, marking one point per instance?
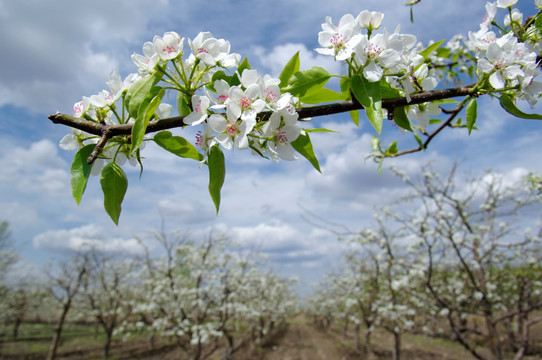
(388, 76)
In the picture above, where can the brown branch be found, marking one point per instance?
(100, 129)
(98, 148)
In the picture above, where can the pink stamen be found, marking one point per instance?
(372, 50)
(246, 102)
(232, 129)
(77, 108)
(271, 96)
(222, 99)
(337, 40)
(199, 139)
(168, 49)
(281, 135)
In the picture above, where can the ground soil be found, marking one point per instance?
(299, 339)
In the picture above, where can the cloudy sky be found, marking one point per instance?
(55, 52)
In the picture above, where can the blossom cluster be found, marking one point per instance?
(393, 57)
(236, 125)
(508, 62)
(226, 112)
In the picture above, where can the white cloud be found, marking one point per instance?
(59, 51)
(37, 169)
(89, 236)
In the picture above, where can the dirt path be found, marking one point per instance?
(301, 341)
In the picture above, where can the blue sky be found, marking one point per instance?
(55, 52)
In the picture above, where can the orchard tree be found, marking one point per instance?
(107, 293)
(480, 259)
(7, 256)
(455, 260)
(65, 284)
(387, 76)
(202, 293)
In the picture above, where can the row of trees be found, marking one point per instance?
(206, 295)
(453, 260)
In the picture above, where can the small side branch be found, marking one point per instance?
(98, 148)
(453, 113)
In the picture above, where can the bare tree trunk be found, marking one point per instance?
(356, 336)
(396, 345)
(494, 340)
(107, 345)
(58, 331)
(16, 327)
(368, 344)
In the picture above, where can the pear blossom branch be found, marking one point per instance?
(100, 129)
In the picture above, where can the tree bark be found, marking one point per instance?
(58, 331)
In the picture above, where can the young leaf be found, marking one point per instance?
(291, 67)
(303, 81)
(508, 104)
(81, 171)
(139, 91)
(221, 75)
(354, 114)
(303, 146)
(401, 119)
(428, 50)
(183, 104)
(321, 95)
(114, 185)
(387, 92)
(146, 110)
(392, 149)
(177, 145)
(217, 173)
(319, 130)
(345, 87)
(472, 112)
(368, 94)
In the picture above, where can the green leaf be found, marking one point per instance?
(443, 52)
(428, 50)
(217, 173)
(387, 92)
(303, 81)
(291, 67)
(114, 185)
(319, 130)
(368, 94)
(472, 112)
(177, 145)
(183, 104)
(354, 114)
(345, 87)
(508, 104)
(139, 91)
(146, 110)
(538, 22)
(303, 146)
(392, 149)
(401, 119)
(321, 95)
(81, 171)
(221, 75)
